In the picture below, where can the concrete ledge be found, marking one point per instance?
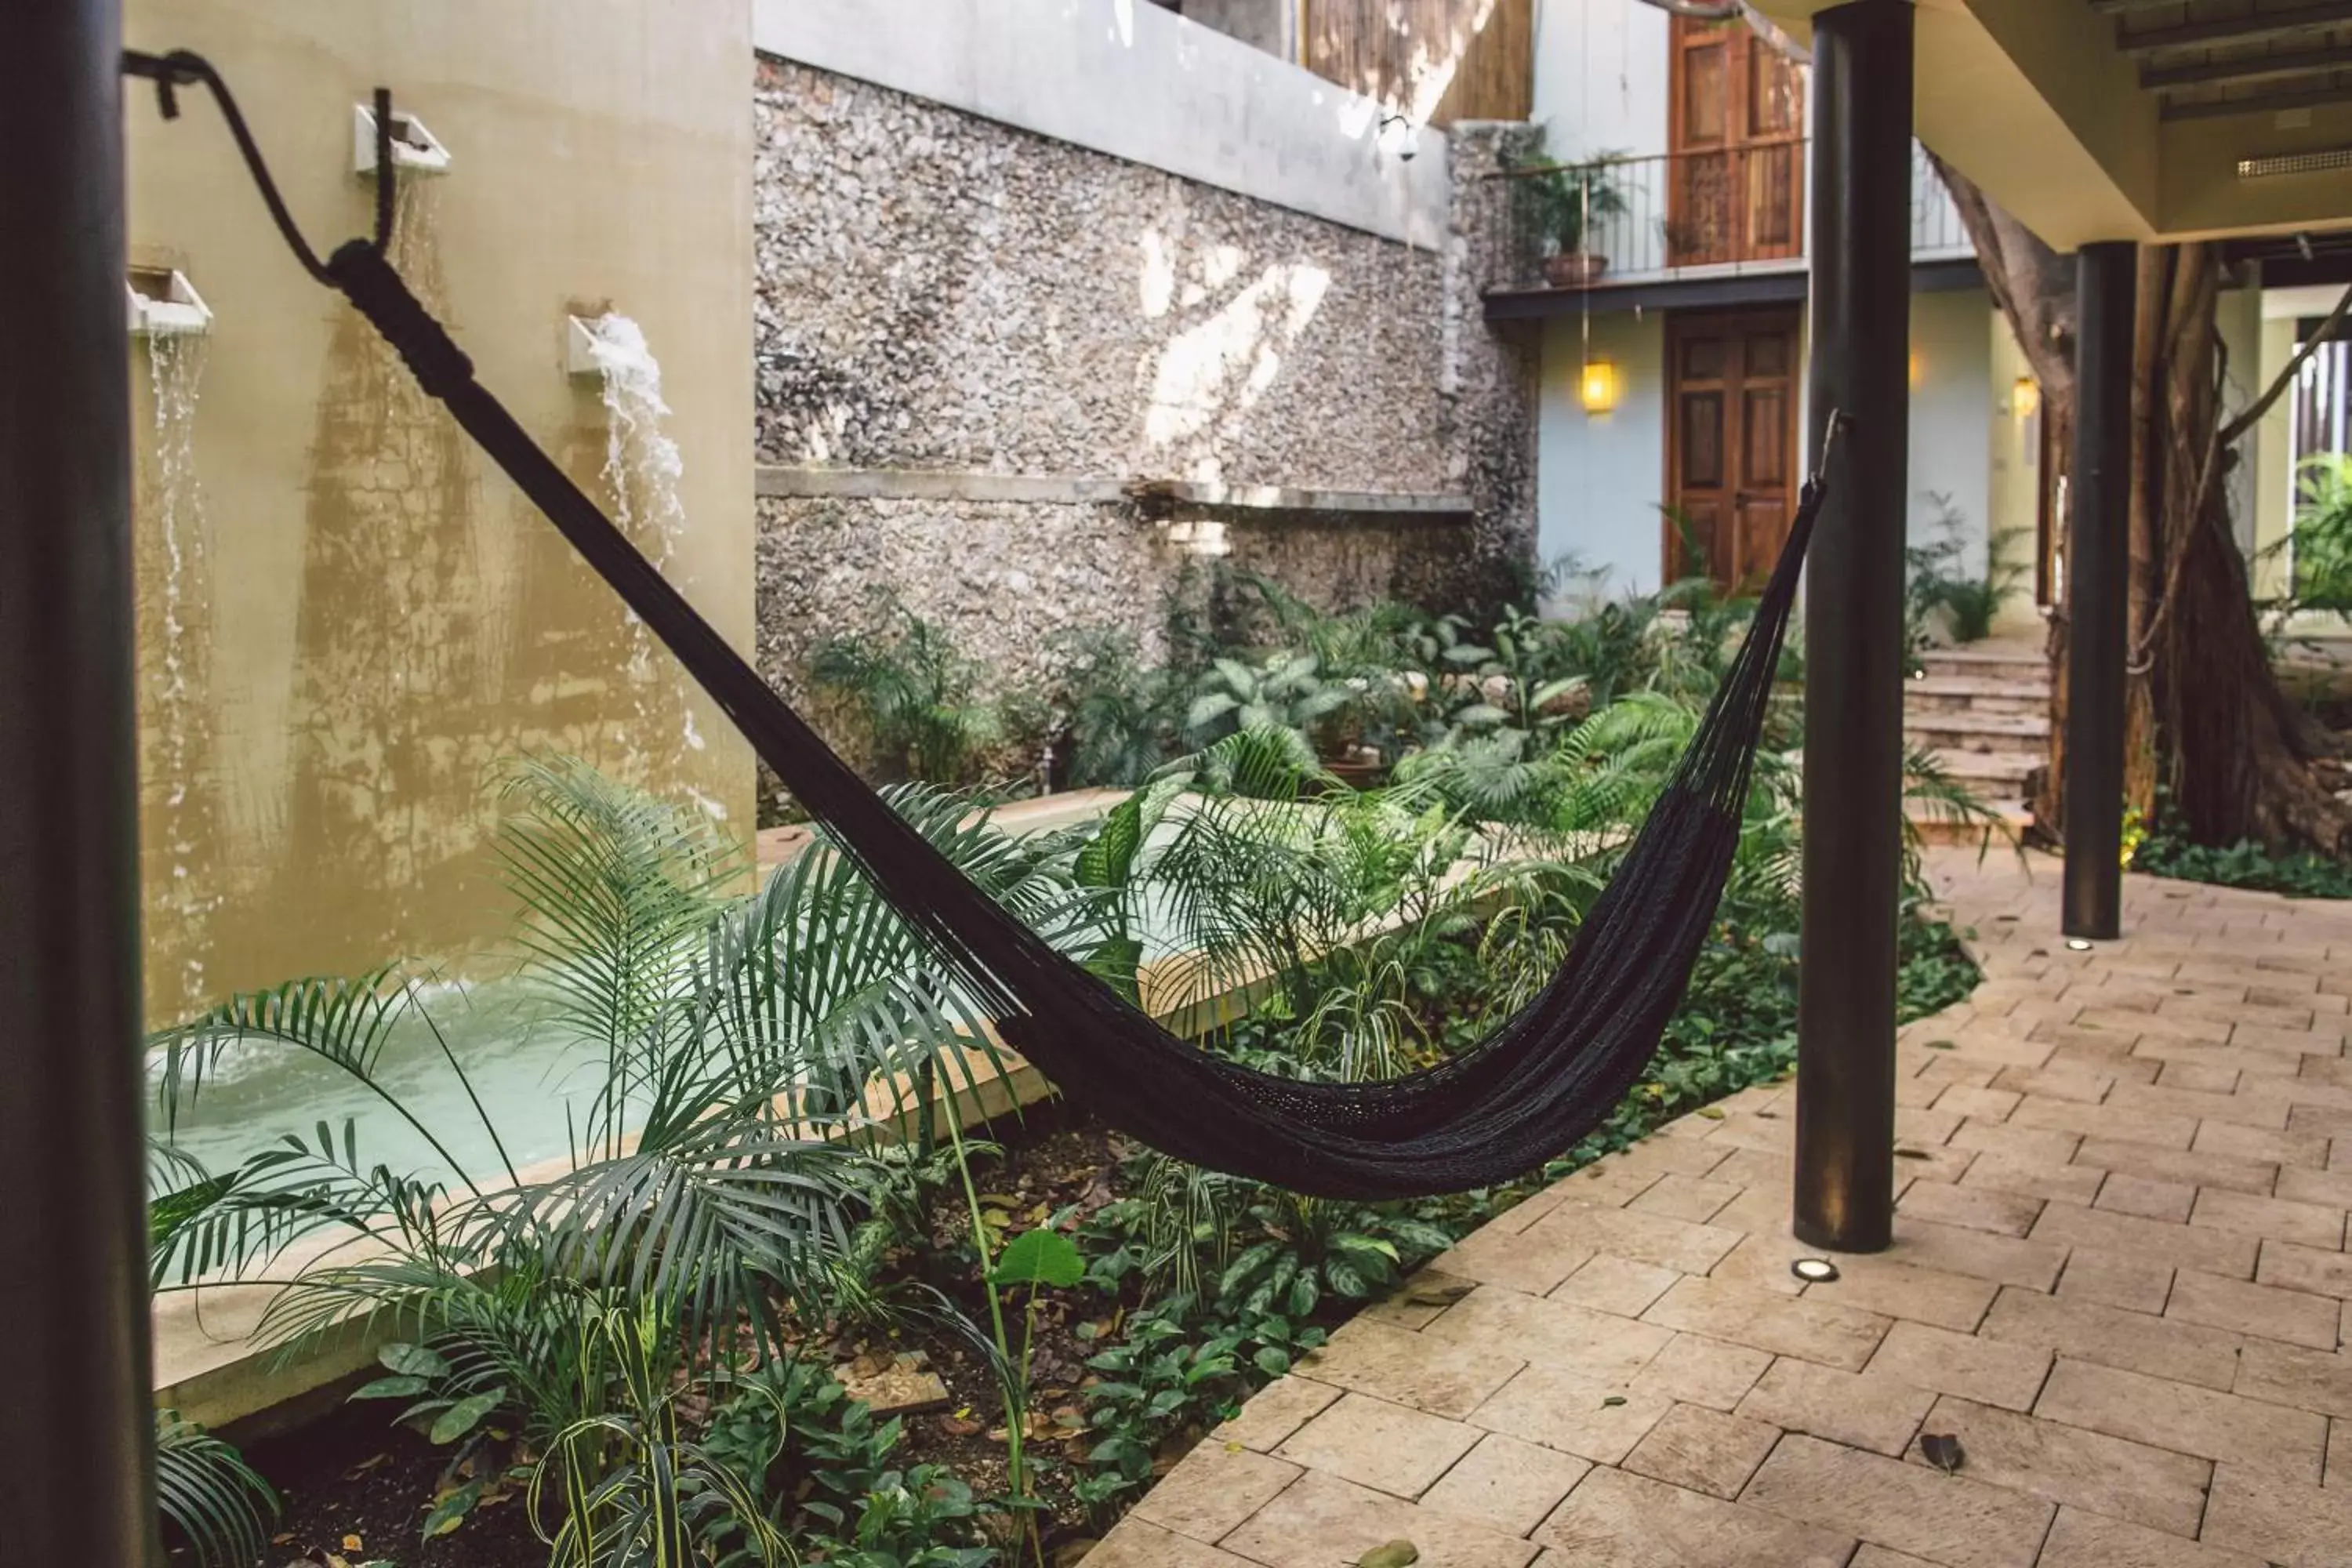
(1135, 81)
(778, 482)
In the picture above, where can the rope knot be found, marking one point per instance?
(378, 292)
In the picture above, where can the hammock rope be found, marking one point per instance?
(1528, 1092)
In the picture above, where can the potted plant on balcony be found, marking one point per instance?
(1561, 204)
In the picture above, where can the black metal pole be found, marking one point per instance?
(1853, 626)
(2098, 568)
(76, 1428)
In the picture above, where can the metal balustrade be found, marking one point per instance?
(1716, 213)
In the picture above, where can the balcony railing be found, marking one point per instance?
(1708, 213)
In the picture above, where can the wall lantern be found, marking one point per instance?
(1599, 390)
(2025, 397)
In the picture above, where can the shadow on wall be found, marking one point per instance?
(412, 640)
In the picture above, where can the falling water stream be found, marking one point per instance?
(177, 657)
(644, 469)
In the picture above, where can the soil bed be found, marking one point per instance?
(354, 1473)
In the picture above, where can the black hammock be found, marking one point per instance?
(1528, 1092)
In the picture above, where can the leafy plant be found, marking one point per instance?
(636, 1489)
(2319, 549)
(1121, 716)
(1557, 203)
(732, 1033)
(1157, 1381)
(918, 694)
(2301, 873)
(922, 1518)
(1940, 589)
(217, 1504)
(1281, 692)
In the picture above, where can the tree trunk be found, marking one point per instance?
(2206, 725)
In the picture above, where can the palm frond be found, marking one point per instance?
(206, 1491)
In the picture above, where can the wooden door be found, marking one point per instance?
(1731, 445)
(1736, 190)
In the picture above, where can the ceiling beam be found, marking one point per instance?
(2235, 29)
(2247, 67)
(2221, 109)
(2117, 8)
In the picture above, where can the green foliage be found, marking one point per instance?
(2301, 874)
(1940, 591)
(212, 1499)
(1122, 719)
(924, 1517)
(918, 695)
(1175, 1371)
(830, 1480)
(633, 1487)
(569, 1308)
(1555, 204)
(2320, 548)
(1039, 1256)
(1282, 691)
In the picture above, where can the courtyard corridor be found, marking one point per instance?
(2118, 1281)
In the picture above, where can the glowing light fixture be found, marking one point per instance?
(1599, 389)
(1814, 1271)
(2076, 945)
(2025, 397)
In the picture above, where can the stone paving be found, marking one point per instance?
(2118, 1279)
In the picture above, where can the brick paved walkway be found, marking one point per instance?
(2118, 1279)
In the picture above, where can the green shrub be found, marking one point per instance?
(2302, 873)
(918, 696)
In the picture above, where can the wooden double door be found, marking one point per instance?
(1731, 443)
(1737, 128)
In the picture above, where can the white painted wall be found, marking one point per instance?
(1599, 478)
(2014, 495)
(1600, 77)
(1125, 77)
(1599, 475)
(1951, 415)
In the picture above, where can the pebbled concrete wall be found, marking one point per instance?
(939, 292)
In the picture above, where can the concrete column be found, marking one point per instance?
(1861, 182)
(76, 1427)
(2098, 572)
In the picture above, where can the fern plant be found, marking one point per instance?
(918, 694)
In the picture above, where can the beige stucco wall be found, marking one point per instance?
(349, 620)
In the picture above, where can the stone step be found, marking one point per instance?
(1992, 767)
(1966, 693)
(1974, 731)
(1988, 661)
(2014, 819)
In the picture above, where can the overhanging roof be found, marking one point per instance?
(2143, 119)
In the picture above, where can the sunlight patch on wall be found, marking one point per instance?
(1157, 283)
(1224, 365)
